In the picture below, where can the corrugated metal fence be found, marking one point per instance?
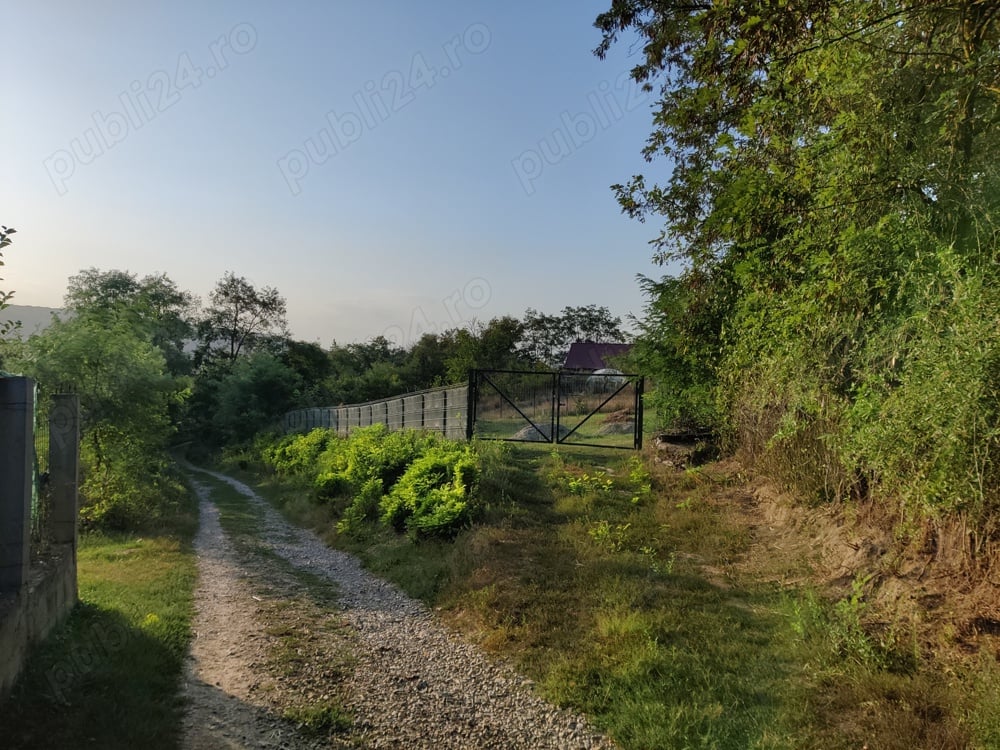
(443, 410)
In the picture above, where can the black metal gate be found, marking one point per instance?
(597, 409)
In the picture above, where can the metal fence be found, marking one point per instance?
(443, 410)
(40, 496)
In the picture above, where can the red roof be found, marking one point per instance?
(588, 355)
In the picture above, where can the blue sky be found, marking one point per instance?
(390, 167)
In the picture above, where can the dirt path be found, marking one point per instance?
(227, 709)
(372, 669)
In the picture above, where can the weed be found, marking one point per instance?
(323, 717)
(611, 538)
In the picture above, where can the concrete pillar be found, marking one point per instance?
(64, 467)
(17, 414)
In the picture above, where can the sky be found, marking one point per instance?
(391, 167)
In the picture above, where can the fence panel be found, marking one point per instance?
(443, 410)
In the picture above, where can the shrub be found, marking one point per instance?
(413, 481)
(363, 508)
(370, 453)
(297, 454)
(435, 495)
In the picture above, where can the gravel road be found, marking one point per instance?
(414, 684)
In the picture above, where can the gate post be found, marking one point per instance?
(637, 437)
(64, 466)
(470, 405)
(556, 406)
(17, 445)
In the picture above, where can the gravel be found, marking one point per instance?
(415, 684)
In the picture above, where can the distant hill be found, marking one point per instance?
(33, 319)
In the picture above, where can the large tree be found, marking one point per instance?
(126, 395)
(240, 317)
(831, 194)
(546, 338)
(151, 306)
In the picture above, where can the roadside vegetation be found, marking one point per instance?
(643, 598)
(110, 675)
(827, 183)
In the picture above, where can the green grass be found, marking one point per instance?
(620, 595)
(623, 603)
(323, 717)
(109, 676)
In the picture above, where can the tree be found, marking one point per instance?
(493, 345)
(547, 338)
(832, 198)
(313, 367)
(240, 317)
(5, 297)
(126, 394)
(152, 307)
(366, 371)
(426, 361)
(252, 396)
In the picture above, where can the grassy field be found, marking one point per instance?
(109, 676)
(643, 601)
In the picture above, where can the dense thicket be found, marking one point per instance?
(830, 190)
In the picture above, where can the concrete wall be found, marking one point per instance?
(28, 615)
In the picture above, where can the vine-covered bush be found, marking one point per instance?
(370, 453)
(296, 454)
(434, 496)
(412, 481)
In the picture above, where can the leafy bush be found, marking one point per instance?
(434, 496)
(127, 492)
(412, 481)
(370, 453)
(296, 454)
(363, 508)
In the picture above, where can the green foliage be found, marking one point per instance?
(435, 494)
(493, 345)
(126, 397)
(833, 204)
(546, 338)
(409, 480)
(5, 241)
(363, 508)
(597, 483)
(240, 318)
(323, 717)
(152, 307)
(252, 395)
(296, 454)
(370, 453)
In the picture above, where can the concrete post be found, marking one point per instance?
(17, 414)
(64, 467)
